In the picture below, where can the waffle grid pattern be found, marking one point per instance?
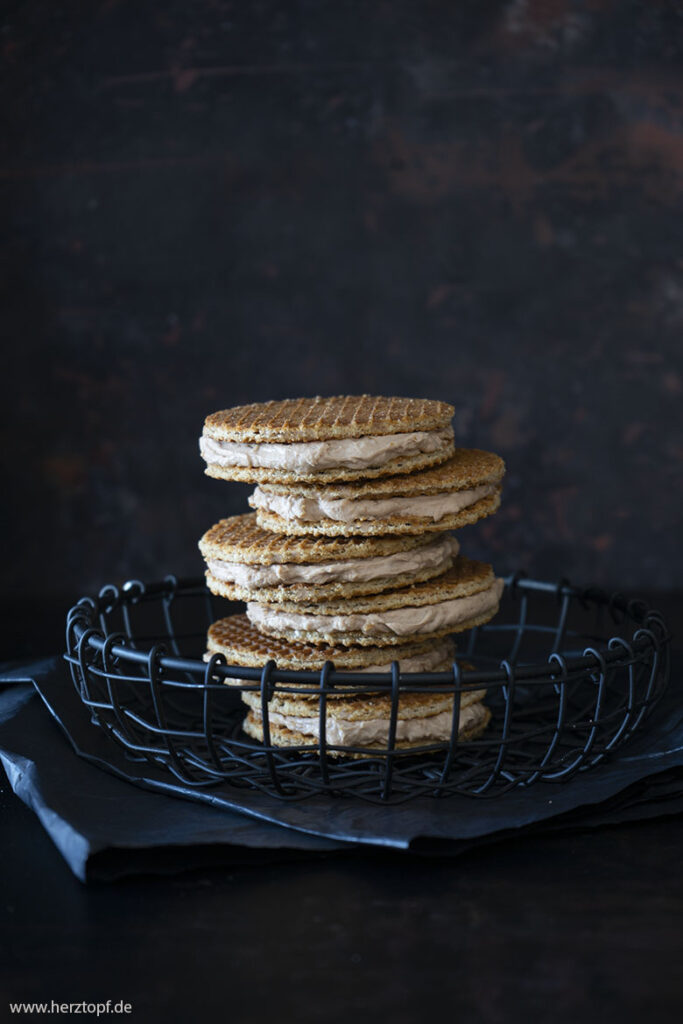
(311, 419)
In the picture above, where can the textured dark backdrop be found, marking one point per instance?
(210, 203)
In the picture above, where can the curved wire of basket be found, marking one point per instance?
(570, 674)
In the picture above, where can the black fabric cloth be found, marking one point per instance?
(126, 818)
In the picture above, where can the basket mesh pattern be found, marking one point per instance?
(570, 675)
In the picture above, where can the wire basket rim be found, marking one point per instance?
(81, 630)
(587, 692)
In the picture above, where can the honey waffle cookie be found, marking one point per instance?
(326, 439)
(466, 595)
(364, 721)
(458, 492)
(241, 644)
(247, 563)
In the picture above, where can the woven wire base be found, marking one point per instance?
(570, 674)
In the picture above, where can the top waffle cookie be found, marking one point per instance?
(314, 419)
(318, 440)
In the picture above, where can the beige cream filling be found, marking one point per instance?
(346, 732)
(312, 509)
(428, 661)
(435, 557)
(409, 621)
(315, 456)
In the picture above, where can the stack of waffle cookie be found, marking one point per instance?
(349, 557)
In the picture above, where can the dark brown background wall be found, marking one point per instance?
(211, 203)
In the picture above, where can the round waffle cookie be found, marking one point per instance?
(241, 644)
(466, 595)
(364, 721)
(361, 707)
(326, 439)
(247, 563)
(456, 493)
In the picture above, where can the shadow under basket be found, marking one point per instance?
(570, 675)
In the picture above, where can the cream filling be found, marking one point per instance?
(344, 732)
(307, 509)
(425, 662)
(408, 621)
(435, 557)
(314, 456)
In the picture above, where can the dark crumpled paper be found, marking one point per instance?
(105, 827)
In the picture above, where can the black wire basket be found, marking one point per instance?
(570, 675)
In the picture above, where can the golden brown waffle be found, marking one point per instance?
(241, 539)
(242, 644)
(362, 707)
(467, 468)
(314, 419)
(283, 737)
(391, 525)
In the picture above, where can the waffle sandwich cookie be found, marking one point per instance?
(365, 721)
(360, 720)
(458, 492)
(466, 595)
(247, 563)
(241, 644)
(317, 440)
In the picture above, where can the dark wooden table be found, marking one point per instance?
(568, 927)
